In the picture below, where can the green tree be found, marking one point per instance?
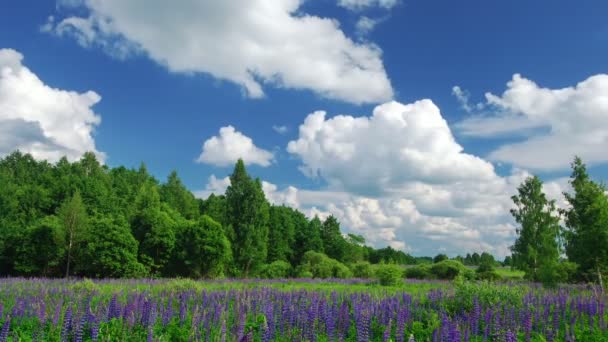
(440, 258)
(73, 216)
(587, 225)
(486, 258)
(281, 233)
(475, 259)
(178, 197)
(334, 244)
(247, 214)
(41, 251)
(215, 207)
(536, 249)
(203, 249)
(110, 251)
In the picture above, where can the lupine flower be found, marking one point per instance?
(5, 330)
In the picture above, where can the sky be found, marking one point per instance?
(411, 121)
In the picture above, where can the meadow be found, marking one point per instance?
(296, 310)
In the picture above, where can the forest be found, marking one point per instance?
(85, 219)
(89, 220)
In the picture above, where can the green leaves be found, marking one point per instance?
(587, 223)
(536, 250)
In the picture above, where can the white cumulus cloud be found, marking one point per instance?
(47, 122)
(564, 122)
(251, 43)
(229, 146)
(379, 153)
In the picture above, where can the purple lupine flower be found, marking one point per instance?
(387, 332)
(57, 313)
(223, 331)
(5, 330)
(510, 336)
(78, 334)
(527, 324)
(67, 324)
(95, 332)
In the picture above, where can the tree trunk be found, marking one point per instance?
(67, 269)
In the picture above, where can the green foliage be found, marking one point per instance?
(276, 269)
(587, 223)
(321, 266)
(178, 197)
(450, 269)
(41, 251)
(486, 270)
(247, 214)
(202, 249)
(281, 236)
(111, 254)
(487, 294)
(73, 216)
(334, 244)
(419, 272)
(391, 256)
(389, 274)
(362, 269)
(536, 250)
(440, 258)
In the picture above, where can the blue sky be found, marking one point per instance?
(167, 79)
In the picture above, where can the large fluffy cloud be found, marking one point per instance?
(397, 144)
(246, 42)
(399, 178)
(565, 122)
(35, 118)
(229, 146)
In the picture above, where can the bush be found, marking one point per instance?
(488, 275)
(419, 272)
(305, 274)
(450, 269)
(486, 295)
(362, 269)
(276, 269)
(566, 271)
(486, 271)
(341, 271)
(389, 275)
(322, 266)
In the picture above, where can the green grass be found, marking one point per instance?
(508, 273)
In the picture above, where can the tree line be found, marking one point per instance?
(86, 219)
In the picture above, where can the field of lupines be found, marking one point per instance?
(295, 310)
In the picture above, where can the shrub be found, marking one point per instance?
(85, 285)
(419, 272)
(389, 275)
(488, 275)
(276, 269)
(450, 269)
(305, 274)
(486, 271)
(322, 266)
(362, 269)
(486, 295)
(341, 271)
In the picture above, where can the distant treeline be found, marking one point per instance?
(86, 219)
